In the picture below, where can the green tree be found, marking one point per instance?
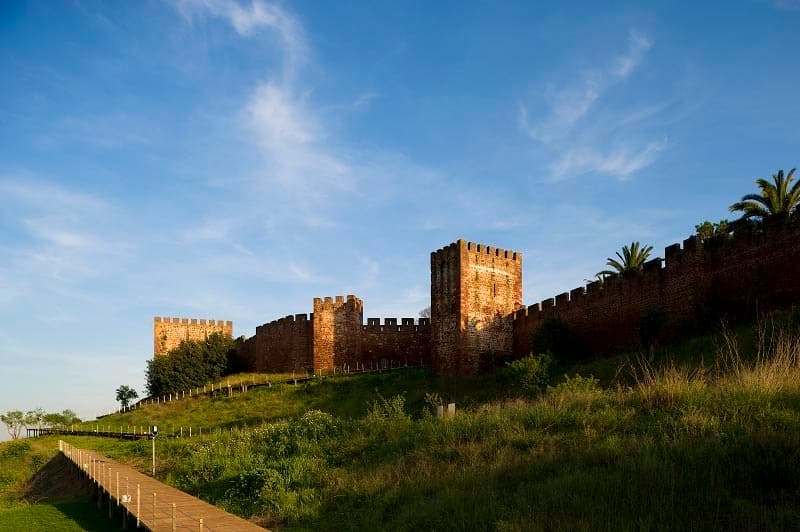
(631, 259)
(193, 363)
(708, 231)
(780, 198)
(14, 420)
(70, 417)
(125, 394)
(35, 417)
(64, 418)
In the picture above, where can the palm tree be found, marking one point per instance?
(631, 259)
(779, 198)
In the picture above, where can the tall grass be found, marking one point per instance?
(678, 446)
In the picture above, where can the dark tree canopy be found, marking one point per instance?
(125, 394)
(191, 364)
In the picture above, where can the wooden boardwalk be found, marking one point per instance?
(146, 502)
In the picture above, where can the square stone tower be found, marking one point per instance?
(168, 333)
(475, 290)
(337, 325)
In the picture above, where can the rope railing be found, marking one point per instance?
(147, 509)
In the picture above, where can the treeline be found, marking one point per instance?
(192, 364)
(16, 420)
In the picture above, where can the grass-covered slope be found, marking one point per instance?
(709, 442)
(39, 492)
(343, 396)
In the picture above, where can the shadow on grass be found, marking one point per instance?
(59, 484)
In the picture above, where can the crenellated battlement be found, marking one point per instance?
(336, 302)
(193, 321)
(169, 332)
(478, 320)
(693, 282)
(681, 259)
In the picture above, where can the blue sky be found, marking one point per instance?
(233, 160)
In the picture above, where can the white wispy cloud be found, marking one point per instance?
(301, 169)
(621, 162)
(65, 237)
(249, 19)
(583, 139)
(570, 103)
(294, 143)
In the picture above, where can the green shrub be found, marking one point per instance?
(15, 449)
(193, 363)
(532, 373)
(577, 384)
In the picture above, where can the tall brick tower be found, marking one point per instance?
(337, 325)
(475, 290)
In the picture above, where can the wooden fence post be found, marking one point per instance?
(138, 506)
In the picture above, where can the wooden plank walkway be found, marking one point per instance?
(150, 503)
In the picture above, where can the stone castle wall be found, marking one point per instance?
(478, 321)
(334, 336)
(698, 285)
(407, 343)
(168, 333)
(282, 345)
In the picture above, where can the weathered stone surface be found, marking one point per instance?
(475, 290)
(168, 333)
(477, 318)
(699, 285)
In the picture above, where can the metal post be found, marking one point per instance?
(201, 525)
(154, 510)
(154, 455)
(138, 510)
(117, 488)
(173, 517)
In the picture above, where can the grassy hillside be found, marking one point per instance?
(343, 396)
(38, 493)
(705, 438)
(705, 435)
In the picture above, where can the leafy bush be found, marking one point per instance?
(15, 449)
(577, 384)
(432, 402)
(531, 373)
(193, 363)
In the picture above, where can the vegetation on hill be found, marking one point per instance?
(706, 437)
(38, 492)
(193, 363)
(16, 420)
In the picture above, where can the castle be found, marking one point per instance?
(478, 320)
(168, 333)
